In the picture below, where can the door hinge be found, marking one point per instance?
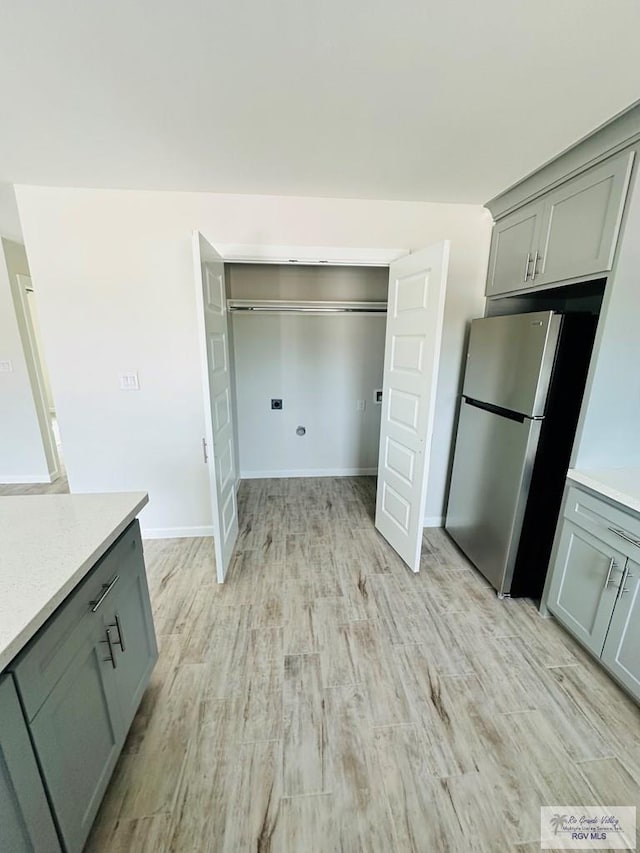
(204, 450)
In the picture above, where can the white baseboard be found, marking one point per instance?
(434, 521)
(25, 478)
(313, 472)
(176, 532)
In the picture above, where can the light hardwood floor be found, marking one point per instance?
(326, 699)
(58, 487)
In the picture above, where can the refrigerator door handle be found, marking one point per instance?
(496, 410)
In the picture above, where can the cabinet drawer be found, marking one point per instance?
(602, 519)
(41, 665)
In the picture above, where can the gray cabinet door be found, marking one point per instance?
(621, 653)
(78, 734)
(26, 825)
(584, 585)
(581, 222)
(128, 617)
(513, 243)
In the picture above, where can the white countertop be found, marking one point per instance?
(621, 485)
(48, 543)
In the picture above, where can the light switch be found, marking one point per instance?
(360, 404)
(6, 367)
(129, 382)
(377, 395)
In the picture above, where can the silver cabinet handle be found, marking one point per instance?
(539, 260)
(623, 585)
(535, 271)
(526, 266)
(624, 536)
(109, 644)
(120, 640)
(612, 566)
(106, 589)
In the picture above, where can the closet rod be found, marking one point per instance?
(281, 307)
(309, 310)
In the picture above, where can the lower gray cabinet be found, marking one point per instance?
(593, 587)
(584, 585)
(621, 653)
(26, 825)
(78, 735)
(128, 619)
(81, 680)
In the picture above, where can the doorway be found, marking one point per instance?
(307, 351)
(39, 436)
(413, 332)
(41, 383)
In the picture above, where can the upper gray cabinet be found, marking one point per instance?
(512, 249)
(568, 233)
(581, 222)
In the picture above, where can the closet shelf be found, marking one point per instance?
(278, 306)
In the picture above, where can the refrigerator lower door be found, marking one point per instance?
(491, 475)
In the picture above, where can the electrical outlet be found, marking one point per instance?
(129, 382)
(6, 367)
(360, 405)
(276, 404)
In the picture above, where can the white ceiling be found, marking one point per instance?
(388, 99)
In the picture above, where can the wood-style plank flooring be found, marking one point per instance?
(60, 486)
(326, 699)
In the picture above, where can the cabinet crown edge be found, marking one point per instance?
(620, 132)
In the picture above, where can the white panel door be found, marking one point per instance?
(218, 442)
(415, 309)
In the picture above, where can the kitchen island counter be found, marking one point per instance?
(48, 543)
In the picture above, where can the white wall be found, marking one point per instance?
(113, 273)
(22, 452)
(319, 367)
(608, 434)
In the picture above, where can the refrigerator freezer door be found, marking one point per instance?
(489, 486)
(510, 360)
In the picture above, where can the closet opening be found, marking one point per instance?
(321, 371)
(307, 356)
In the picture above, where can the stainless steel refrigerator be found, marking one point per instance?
(523, 387)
